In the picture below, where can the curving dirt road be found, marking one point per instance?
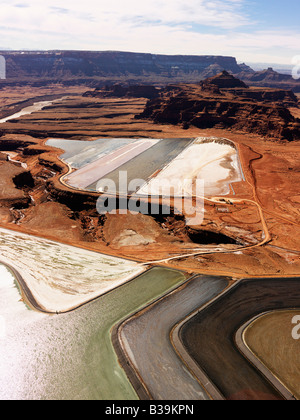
(266, 237)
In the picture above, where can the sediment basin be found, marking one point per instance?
(209, 160)
(208, 338)
(271, 342)
(79, 153)
(71, 356)
(100, 168)
(145, 341)
(60, 277)
(146, 165)
(162, 167)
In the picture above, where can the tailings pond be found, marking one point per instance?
(208, 337)
(156, 163)
(70, 356)
(147, 335)
(61, 277)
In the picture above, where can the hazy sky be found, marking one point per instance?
(251, 30)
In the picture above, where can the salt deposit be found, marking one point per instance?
(62, 277)
(214, 162)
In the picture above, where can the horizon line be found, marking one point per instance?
(26, 50)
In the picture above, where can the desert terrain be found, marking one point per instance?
(42, 204)
(62, 140)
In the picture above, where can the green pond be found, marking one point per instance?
(71, 356)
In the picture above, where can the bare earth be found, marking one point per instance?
(57, 212)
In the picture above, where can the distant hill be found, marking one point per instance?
(89, 64)
(98, 68)
(225, 102)
(280, 68)
(270, 78)
(224, 80)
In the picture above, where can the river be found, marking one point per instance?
(37, 106)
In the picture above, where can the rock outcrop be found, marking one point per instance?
(236, 107)
(69, 64)
(224, 80)
(119, 91)
(94, 68)
(270, 78)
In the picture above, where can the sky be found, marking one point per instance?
(253, 31)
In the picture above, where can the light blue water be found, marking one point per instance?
(80, 153)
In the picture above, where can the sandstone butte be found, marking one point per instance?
(226, 102)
